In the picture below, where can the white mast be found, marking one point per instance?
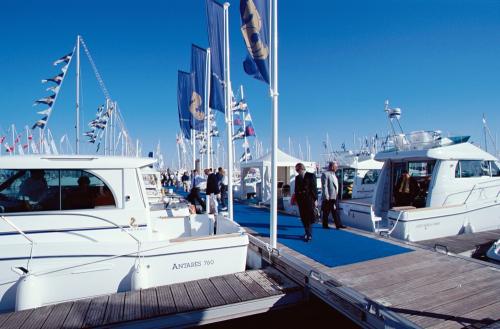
(77, 94)
(207, 109)
(242, 97)
(274, 157)
(228, 110)
(193, 145)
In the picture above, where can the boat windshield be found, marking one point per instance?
(42, 190)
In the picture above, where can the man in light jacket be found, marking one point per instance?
(329, 190)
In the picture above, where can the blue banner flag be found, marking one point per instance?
(215, 15)
(184, 91)
(255, 30)
(198, 71)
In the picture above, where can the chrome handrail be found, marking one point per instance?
(481, 188)
(32, 243)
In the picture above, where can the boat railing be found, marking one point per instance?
(32, 243)
(418, 140)
(477, 187)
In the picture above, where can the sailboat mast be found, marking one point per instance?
(77, 94)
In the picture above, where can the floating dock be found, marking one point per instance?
(376, 284)
(178, 305)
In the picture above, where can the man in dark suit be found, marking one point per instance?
(212, 191)
(306, 195)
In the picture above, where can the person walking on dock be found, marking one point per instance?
(329, 190)
(306, 195)
(222, 179)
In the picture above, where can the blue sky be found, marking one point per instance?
(438, 60)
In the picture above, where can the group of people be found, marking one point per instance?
(216, 189)
(306, 197)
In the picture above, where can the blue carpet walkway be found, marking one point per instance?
(329, 247)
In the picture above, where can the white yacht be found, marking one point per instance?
(75, 226)
(458, 187)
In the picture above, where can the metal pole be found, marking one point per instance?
(78, 94)
(193, 145)
(228, 111)
(274, 157)
(207, 109)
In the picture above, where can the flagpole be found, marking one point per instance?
(193, 145)
(227, 91)
(274, 157)
(78, 94)
(207, 108)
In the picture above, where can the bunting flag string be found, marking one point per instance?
(246, 156)
(51, 99)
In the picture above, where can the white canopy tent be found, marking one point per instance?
(286, 173)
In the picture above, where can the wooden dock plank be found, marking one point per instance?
(457, 308)
(132, 307)
(403, 296)
(225, 290)
(114, 310)
(420, 284)
(4, 317)
(77, 314)
(251, 285)
(239, 288)
(456, 293)
(37, 318)
(96, 311)
(17, 319)
(196, 295)
(57, 316)
(480, 316)
(379, 265)
(149, 303)
(181, 298)
(166, 304)
(213, 296)
(267, 285)
(390, 274)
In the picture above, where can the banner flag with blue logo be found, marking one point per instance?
(215, 15)
(255, 30)
(184, 81)
(198, 71)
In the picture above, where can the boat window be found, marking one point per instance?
(471, 168)
(495, 169)
(371, 176)
(29, 190)
(83, 190)
(346, 177)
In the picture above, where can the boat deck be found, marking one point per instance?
(464, 243)
(178, 305)
(416, 286)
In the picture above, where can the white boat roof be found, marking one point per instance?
(462, 151)
(72, 162)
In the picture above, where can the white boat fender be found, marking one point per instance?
(27, 293)
(139, 278)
